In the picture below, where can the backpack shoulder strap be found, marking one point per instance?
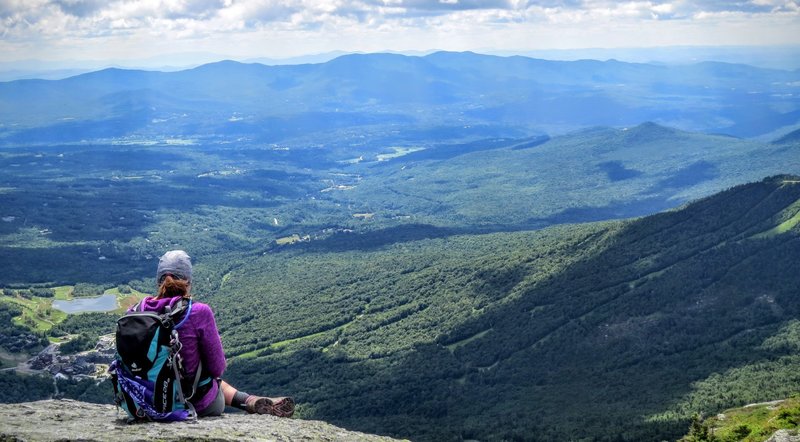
(185, 305)
(196, 380)
(172, 311)
(139, 307)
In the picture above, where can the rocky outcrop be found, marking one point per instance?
(67, 420)
(784, 436)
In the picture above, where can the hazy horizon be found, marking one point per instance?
(783, 57)
(126, 32)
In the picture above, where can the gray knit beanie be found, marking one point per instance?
(176, 263)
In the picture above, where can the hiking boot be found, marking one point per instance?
(276, 406)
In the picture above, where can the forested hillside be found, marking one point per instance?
(425, 261)
(589, 175)
(613, 331)
(617, 330)
(108, 209)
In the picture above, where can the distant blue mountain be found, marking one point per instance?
(790, 138)
(440, 89)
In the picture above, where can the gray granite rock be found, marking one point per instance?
(67, 420)
(784, 436)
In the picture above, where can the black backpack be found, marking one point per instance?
(147, 371)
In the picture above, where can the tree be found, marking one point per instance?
(699, 431)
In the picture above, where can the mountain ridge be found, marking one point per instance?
(635, 171)
(452, 89)
(467, 57)
(653, 309)
(790, 138)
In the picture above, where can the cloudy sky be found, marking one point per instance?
(136, 29)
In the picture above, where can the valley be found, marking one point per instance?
(494, 313)
(444, 261)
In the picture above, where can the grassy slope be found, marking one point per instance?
(753, 422)
(39, 316)
(606, 331)
(37, 313)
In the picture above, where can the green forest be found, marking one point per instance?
(619, 330)
(513, 309)
(609, 331)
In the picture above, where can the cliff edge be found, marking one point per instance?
(67, 420)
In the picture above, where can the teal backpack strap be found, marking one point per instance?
(196, 380)
(175, 366)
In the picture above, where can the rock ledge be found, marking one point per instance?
(67, 420)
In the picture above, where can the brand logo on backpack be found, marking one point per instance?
(135, 367)
(166, 389)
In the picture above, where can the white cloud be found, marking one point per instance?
(45, 28)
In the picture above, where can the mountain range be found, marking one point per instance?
(440, 90)
(446, 247)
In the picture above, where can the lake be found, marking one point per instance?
(104, 303)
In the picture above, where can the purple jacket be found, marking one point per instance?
(200, 340)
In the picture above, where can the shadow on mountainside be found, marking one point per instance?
(591, 352)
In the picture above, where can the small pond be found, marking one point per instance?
(104, 303)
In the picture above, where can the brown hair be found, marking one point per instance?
(172, 287)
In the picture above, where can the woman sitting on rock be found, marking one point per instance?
(201, 344)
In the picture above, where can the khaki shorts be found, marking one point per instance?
(215, 408)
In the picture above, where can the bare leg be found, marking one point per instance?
(228, 391)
